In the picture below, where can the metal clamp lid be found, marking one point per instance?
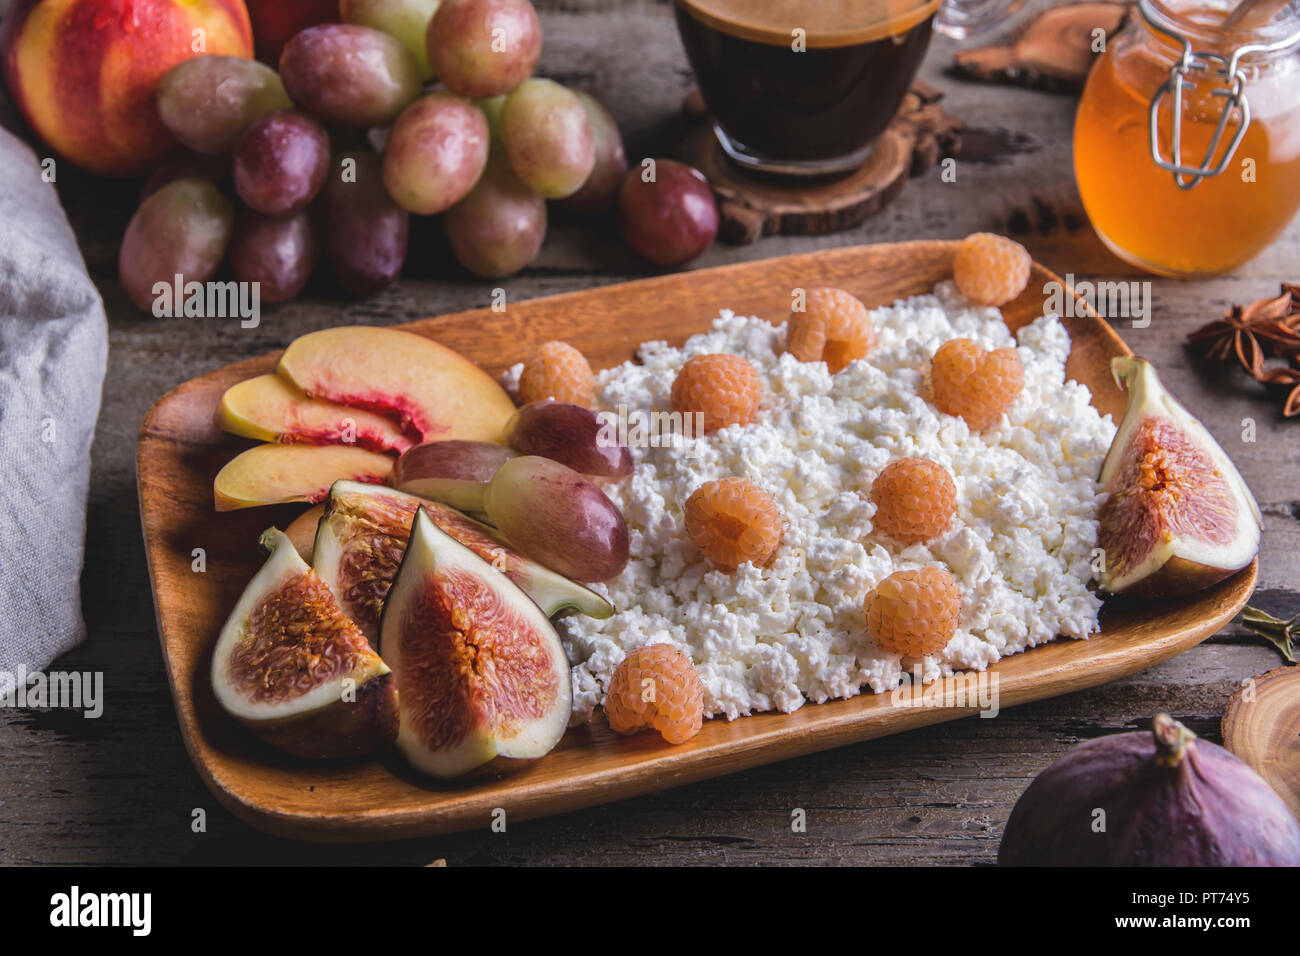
(1214, 65)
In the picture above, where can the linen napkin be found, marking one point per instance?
(53, 345)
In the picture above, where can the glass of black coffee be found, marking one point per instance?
(804, 87)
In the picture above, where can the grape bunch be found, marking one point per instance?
(281, 174)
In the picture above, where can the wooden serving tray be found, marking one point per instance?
(180, 451)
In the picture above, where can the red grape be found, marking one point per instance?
(452, 471)
(483, 48)
(600, 191)
(667, 212)
(363, 232)
(435, 153)
(498, 228)
(349, 75)
(279, 254)
(208, 101)
(570, 434)
(558, 518)
(281, 162)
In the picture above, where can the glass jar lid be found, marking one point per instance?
(1215, 49)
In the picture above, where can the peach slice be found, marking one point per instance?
(270, 408)
(279, 474)
(436, 393)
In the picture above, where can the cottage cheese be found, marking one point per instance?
(1020, 545)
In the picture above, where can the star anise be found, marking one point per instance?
(1276, 322)
(1284, 635)
(1250, 332)
(1288, 377)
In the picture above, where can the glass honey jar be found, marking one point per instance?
(1187, 137)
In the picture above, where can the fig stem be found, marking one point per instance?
(1172, 740)
(270, 539)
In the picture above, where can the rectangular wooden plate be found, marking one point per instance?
(180, 451)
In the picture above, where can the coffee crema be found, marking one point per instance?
(803, 87)
(825, 23)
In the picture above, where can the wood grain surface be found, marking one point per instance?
(1053, 52)
(122, 788)
(1261, 725)
(181, 450)
(753, 206)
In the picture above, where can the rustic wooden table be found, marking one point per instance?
(121, 789)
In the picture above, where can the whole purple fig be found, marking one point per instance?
(1159, 798)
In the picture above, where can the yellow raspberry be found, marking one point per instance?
(991, 269)
(974, 383)
(733, 521)
(656, 686)
(914, 613)
(915, 500)
(834, 327)
(560, 372)
(725, 389)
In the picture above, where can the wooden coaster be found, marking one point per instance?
(752, 206)
(1053, 53)
(1265, 732)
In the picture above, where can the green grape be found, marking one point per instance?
(555, 516)
(208, 101)
(548, 138)
(182, 229)
(407, 20)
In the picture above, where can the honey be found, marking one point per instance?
(1136, 207)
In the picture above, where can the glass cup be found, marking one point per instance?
(804, 87)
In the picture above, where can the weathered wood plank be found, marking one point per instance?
(121, 789)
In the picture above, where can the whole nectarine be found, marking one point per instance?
(84, 72)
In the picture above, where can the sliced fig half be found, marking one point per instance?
(1179, 516)
(480, 671)
(363, 534)
(295, 670)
